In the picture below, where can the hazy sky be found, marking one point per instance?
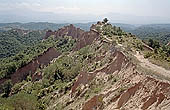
(156, 8)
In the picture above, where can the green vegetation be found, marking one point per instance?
(64, 68)
(110, 31)
(11, 64)
(13, 41)
(67, 67)
(92, 91)
(160, 55)
(160, 51)
(6, 88)
(20, 101)
(56, 76)
(153, 44)
(41, 26)
(159, 32)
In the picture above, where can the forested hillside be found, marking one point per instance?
(15, 40)
(159, 32)
(41, 25)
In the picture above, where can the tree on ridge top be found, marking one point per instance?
(105, 20)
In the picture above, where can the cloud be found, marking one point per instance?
(39, 8)
(85, 9)
(21, 6)
(60, 9)
(29, 5)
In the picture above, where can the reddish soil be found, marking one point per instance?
(69, 31)
(83, 78)
(116, 65)
(83, 38)
(115, 98)
(48, 34)
(94, 103)
(161, 97)
(43, 59)
(149, 102)
(66, 31)
(158, 94)
(155, 90)
(127, 95)
(86, 39)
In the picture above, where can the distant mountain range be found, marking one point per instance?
(55, 26)
(160, 32)
(41, 25)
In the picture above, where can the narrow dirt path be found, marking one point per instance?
(155, 68)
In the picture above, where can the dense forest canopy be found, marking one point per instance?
(42, 25)
(15, 40)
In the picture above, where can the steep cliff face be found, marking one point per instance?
(69, 31)
(66, 31)
(83, 38)
(116, 85)
(132, 91)
(41, 60)
(87, 38)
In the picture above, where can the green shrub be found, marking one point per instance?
(21, 101)
(148, 54)
(6, 88)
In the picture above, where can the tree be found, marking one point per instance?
(105, 20)
(156, 44)
(150, 43)
(6, 88)
(10, 68)
(153, 44)
(114, 28)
